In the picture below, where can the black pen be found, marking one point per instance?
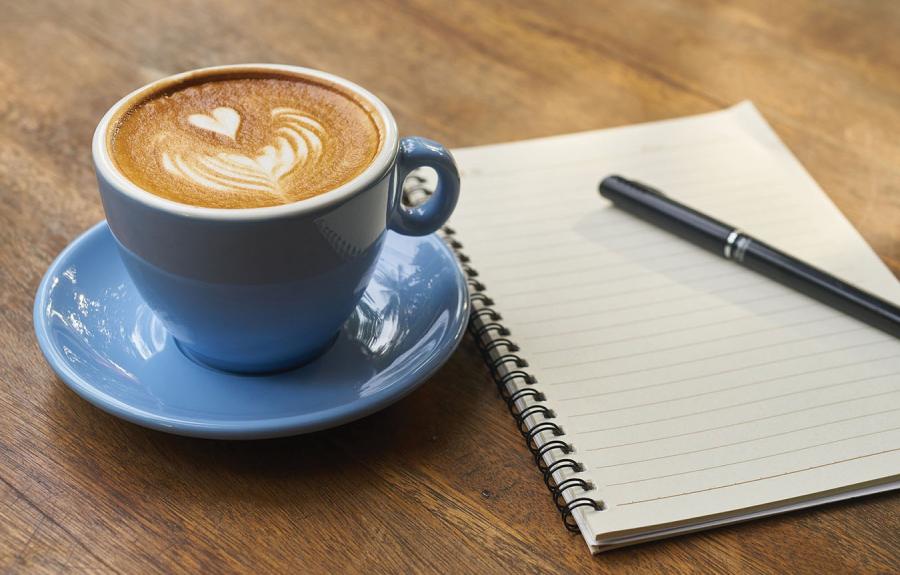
(732, 244)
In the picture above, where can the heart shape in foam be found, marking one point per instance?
(222, 120)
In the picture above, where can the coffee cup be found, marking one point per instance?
(257, 289)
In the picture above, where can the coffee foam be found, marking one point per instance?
(241, 142)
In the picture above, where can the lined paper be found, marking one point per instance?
(693, 390)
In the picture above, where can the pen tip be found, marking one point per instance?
(609, 182)
(617, 184)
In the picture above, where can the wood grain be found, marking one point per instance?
(440, 482)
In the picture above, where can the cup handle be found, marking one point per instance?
(431, 214)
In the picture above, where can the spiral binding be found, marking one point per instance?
(505, 365)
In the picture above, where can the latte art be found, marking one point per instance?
(225, 121)
(246, 142)
(297, 145)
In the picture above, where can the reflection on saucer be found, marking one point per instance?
(105, 343)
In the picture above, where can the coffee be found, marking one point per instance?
(245, 140)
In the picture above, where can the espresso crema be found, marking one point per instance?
(245, 140)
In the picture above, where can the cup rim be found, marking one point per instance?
(379, 166)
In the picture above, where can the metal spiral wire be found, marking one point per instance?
(505, 365)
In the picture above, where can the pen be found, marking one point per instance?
(733, 244)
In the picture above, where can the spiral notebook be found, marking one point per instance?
(662, 389)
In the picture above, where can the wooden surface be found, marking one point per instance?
(440, 482)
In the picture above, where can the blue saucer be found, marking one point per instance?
(105, 343)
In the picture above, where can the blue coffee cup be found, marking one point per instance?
(266, 289)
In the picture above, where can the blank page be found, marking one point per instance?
(692, 389)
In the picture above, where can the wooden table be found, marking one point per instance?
(441, 481)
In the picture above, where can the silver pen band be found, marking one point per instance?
(730, 241)
(736, 245)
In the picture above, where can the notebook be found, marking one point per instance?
(663, 389)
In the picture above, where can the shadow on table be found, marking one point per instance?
(403, 432)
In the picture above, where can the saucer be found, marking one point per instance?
(105, 343)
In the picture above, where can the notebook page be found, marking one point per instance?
(690, 387)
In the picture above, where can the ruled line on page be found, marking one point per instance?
(722, 407)
(666, 284)
(693, 295)
(770, 187)
(551, 218)
(595, 326)
(527, 250)
(655, 318)
(753, 459)
(551, 209)
(595, 261)
(576, 207)
(516, 196)
(700, 260)
(740, 442)
(724, 354)
(725, 426)
(745, 441)
(716, 338)
(601, 262)
(736, 483)
(610, 243)
(724, 183)
(677, 165)
(721, 372)
(592, 253)
(591, 170)
(498, 171)
(867, 361)
(633, 229)
(505, 248)
(692, 346)
(534, 208)
(714, 356)
(747, 315)
(762, 229)
(704, 264)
